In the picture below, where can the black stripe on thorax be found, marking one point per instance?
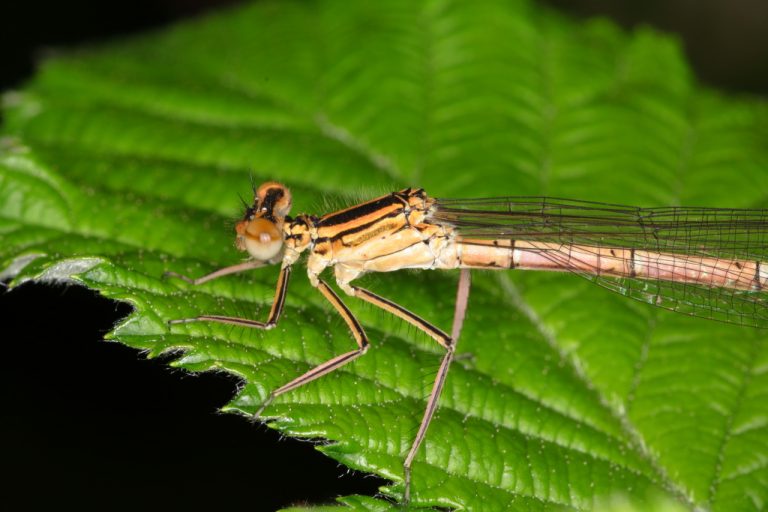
(344, 216)
(356, 229)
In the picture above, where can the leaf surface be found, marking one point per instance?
(125, 161)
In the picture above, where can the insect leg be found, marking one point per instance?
(449, 343)
(274, 313)
(332, 364)
(233, 269)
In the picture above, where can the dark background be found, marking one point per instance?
(83, 420)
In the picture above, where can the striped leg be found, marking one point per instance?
(274, 313)
(332, 364)
(277, 307)
(447, 342)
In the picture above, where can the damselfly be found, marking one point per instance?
(706, 262)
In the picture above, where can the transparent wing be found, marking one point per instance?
(554, 226)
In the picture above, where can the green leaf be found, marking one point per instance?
(125, 161)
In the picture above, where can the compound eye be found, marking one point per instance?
(260, 238)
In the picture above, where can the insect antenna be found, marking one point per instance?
(245, 203)
(254, 185)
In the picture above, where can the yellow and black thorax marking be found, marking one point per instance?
(352, 227)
